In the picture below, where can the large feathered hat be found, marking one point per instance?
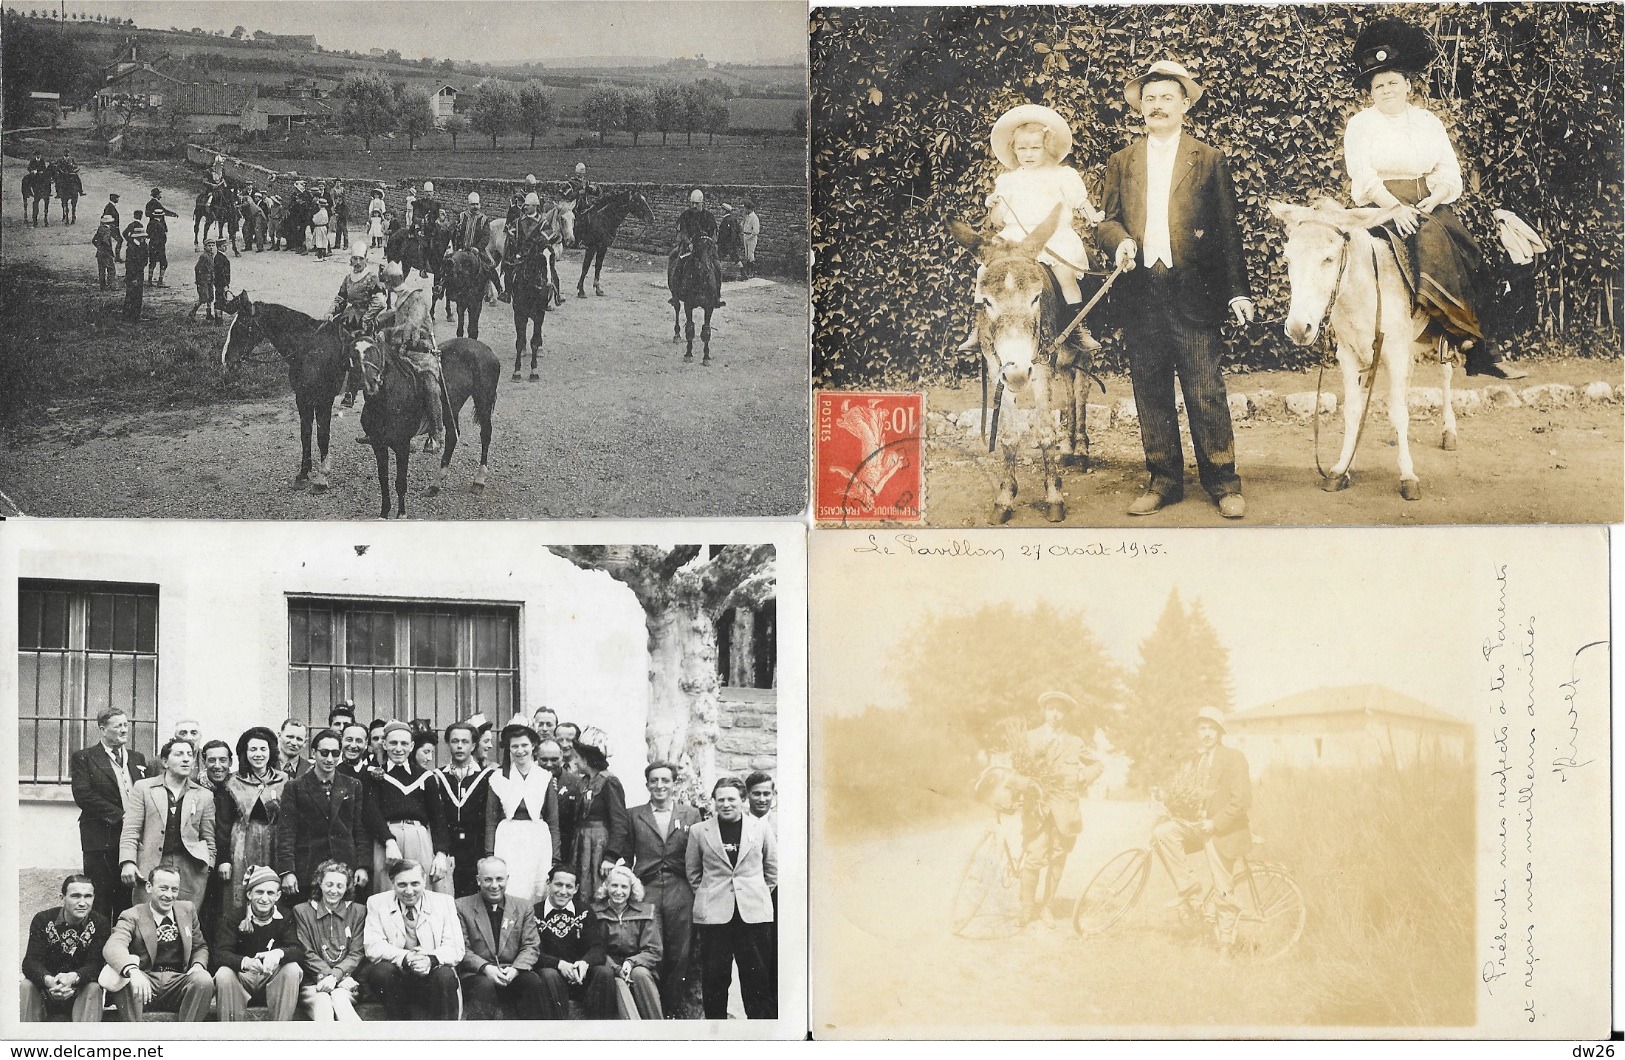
(1391, 44)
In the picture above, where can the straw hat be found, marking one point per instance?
(1163, 68)
(1058, 142)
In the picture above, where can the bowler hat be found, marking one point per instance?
(1162, 68)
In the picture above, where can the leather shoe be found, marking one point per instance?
(1231, 506)
(1496, 371)
(1149, 502)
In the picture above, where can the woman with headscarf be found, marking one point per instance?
(1399, 157)
(604, 834)
(522, 816)
(251, 803)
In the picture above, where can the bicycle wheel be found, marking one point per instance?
(985, 903)
(1112, 893)
(1273, 913)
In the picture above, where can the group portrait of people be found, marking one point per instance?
(472, 873)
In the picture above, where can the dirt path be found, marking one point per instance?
(619, 426)
(1520, 465)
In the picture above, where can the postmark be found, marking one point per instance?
(868, 461)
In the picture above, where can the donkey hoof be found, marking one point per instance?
(1002, 513)
(517, 376)
(1449, 443)
(1335, 483)
(1056, 512)
(535, 377)
(1072, 460)
(1410, 489)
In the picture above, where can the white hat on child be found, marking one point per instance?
(1059, 141)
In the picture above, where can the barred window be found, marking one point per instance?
(437, 660)
(82, 647)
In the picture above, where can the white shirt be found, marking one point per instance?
(1160, 156)
(662, 821)
(118, 758)
(1413, 143)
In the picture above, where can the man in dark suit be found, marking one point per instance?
(660, 830)
(1170, 223)
(1223, 782)
(323, 817)
(501, 948)
(550, 753)
(102, 775)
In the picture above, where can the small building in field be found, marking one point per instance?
(301, 41)
(45, 108)
(284, 115)
(1348, 727)
(205, 107)
(444, 101)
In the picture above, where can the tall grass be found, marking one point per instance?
(1385, 858)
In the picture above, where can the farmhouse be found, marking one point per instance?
(1349, 727)
(302, 41)
(251, 624)
(141, 87)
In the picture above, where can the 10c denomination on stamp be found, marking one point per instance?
(867, 450)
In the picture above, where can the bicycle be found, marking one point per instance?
(987, 899)
(1271, 916)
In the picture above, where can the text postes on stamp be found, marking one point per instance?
(867, 453)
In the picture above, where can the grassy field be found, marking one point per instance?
(734, 160)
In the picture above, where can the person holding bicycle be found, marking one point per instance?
(1060, 766)
(1208, 804)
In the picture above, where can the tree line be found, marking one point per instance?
(372, 105)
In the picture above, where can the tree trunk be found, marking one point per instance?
(533, 141)
(600, 136)
(663, 137)
(493, 141)
(635, 136)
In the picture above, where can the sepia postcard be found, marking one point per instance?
(1218, 264)
(1348, 784)
(487, 260)
(571, 756)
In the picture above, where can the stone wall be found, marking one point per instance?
(782, 208)
(749, 739)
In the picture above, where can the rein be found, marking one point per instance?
(1330, 348)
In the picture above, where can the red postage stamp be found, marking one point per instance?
(867, 452)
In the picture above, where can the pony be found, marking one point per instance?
(596, 228)
(531, 286)
(466, 277)
(318, 359)
(1339, 271)
(68, 189)
(694, 284)
(393, 413)
(1019, 314)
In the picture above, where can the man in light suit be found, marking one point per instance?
(102, 774)
(414, 943)
(169, 821)
(733, 866)
(1170, 217)
(503, 946)
(157, 956)
(1221, 776)
(660, 829)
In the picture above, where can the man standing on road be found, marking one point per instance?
(158, 238)
(750, 230)
(118, 236)
(135, 267)
(102, 776)
(1050, 825)
(1170, 222)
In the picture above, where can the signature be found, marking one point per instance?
(1571, 694)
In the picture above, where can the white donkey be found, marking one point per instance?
(1338, 269)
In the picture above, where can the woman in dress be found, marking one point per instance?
(1399, 157)
(522, 816)
(250, 805)
(604, 835)
(632, 942)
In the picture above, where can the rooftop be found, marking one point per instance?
(1348, 699)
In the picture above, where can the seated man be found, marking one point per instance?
(258, 957)
(499, 981)
(414, 943)
(157, 956)
(403, 327)
(694, 224)
(573, 955)
(473, 232)
(64, 957)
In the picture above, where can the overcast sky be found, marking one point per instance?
(723, 30)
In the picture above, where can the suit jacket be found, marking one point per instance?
(440, 932)
(313, 827)
(719, 887)
(520, 944)
(135, 937)
(96, 791)
(653, 857)
(1209, 269)
(146, 813)
(1229, 795)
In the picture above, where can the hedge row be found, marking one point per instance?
(903, 99)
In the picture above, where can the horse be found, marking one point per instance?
(596, 228)
(68, 189)
(466, 277)
(1020, 313)
(1339, 271)
(37, 187)
(437, 248)
(393, 413)
(227, 220)
(530, 285)
(410, 247)
(318, 356)
(695, 284)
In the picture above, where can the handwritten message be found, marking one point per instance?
(910, 545)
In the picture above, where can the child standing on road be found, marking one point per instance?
(203, 273)
(318, 228)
